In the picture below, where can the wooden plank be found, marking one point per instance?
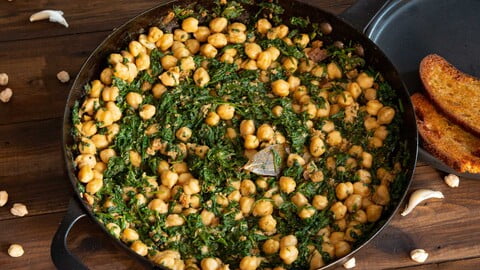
(32, 67)
(87, 16)
(32, 167)
(467, 264)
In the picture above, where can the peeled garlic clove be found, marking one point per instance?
(419, 255)
(350, 264)
(418, 196)
(452, 180)
(6, 95)
(63, 76)
(55, 16)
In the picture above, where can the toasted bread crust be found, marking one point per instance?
(455, 93)
(445, 140)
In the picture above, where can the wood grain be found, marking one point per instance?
(32, 167)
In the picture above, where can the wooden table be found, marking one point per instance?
(32, 168)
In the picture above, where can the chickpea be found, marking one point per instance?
(183, 134)
(88, 128)
(373, 106)
(86, 146)
(85, 174)
(106, 76)
(343, 190)
(169, 178)
(87, 160)
(143, 61)
(334, 138)
(361, 189)
(201, 77)
(323, 111)
(333, 71)
(335, 237)
(302, 40)
(385, 115)
(158, 205)
(295, 158)
(100, 141)
(342, 248)
(381, 195)
(174, 220)
(129, 235)
(317, 146)
(277, 111)
(226, 111)
(202, 33)
(158, 90)
(135, 158)
(247, 187)
(280, 88)
(246, 205)
(282, 31)
(154, 34)
(360, 216)
(180, 35)
(212, 119)
(190, 25)
(94, 186)
(264, 60)
(265, 132)
(288, 254)
(370, 94)
(345, 99)
(165, 42)
(210, 264)
(370, 123)
(374, 212)
(288, 240)
(267, 223)
(263, 208)
(354, 89)
(251, 142)
(274, 52)
(252, 50)
(114, 229)
(263, 26)
(249, 64)
(139, 247)
(134, 99)
(170, 77)
(353, 203)
(168, 61)
(364, 81)
(135, 48)
(217, 40)
(290, 64)
(110, 93)
(96, 89)
(339, 210)
(147, 111)
(247, 127)
(250, 263)
(271, 246)
(320, 202)
(299, 199)
(366, 160)
(306, 212)
(287, 184)
(218, 24)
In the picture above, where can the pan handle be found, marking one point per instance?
(362, 12)
(61, 255)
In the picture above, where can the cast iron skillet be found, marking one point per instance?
(342, 31)
(408, 30)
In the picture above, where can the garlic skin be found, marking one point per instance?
(6, 95)
(350, 264)
(418, 196)
(55, 16)
(452, 180)
(418, 255)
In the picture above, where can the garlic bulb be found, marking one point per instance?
(418, 196)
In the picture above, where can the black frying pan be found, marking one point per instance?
(342, 31)
(408, 30)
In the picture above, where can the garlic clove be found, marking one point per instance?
(418, 255)
(452, 180)
(55, 16)
(418, 196)
(350, 264)
(63, 76)
(6, 95)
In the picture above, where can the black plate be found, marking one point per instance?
(408, 30)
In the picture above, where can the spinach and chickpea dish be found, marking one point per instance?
(163, 136)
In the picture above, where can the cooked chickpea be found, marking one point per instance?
(143, 61)
(252, 50)
(180, 35)
(154, 34)
(333, 71)
(381, 195)
(251, 142)
(264, 60)
(246, 205)
(217, 40)
(190, 25)
(323, 111)
(140, 248)
(165, 42)
(345, 99)
(85, 174)
(320, 202)
(158, 205)
(174, 220)
(202, 33)
(317, 146)
(168, 61)
(263, 208)
(218, 25)
(280, 88)
(295, 158)
(370, 123)
(169, 178)
(106, 76)
(339, 210)
(342, 248)
(212, 119)
(170, 77)
(354, 89)
(353, 202)
(201, 77)
(290, 64)
(250, 263)
(385, 115)
(271, 246)
(110, 93)
(334, 138)
(364, 80)
(247, 187)
(263, 26)
(265, 132)
(100, 141)
(183, 134)
(374, 212)
(287, 184)
(135, 158)
(94, 186)
(306, 212)
(288, 240)
(274, 52)
(277, 110)
(366, 160)
(373, 106)
(361, 189)
(370, 94)
(288, 254)
(343, 190)
(147, 111)
(226, 111)
(267, 223)
(134, 99)
(302, 40)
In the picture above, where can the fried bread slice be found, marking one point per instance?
(455, 93)
(447, 141)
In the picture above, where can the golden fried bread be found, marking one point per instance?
(444, 139)
(455, 93)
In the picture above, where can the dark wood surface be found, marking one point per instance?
(32, 169)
